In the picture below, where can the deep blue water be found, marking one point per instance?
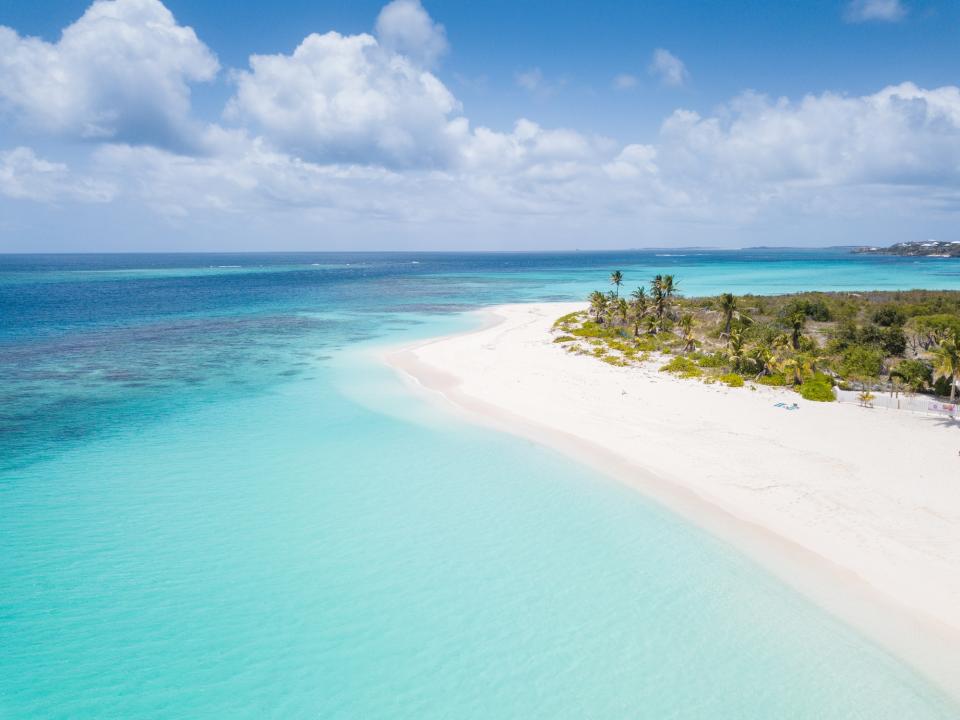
(214, 503)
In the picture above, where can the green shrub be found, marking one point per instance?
(819, 388)
(936, 325)
(647, 343)
(711, 360)
(732, 379)
(682, 367)
(889, 316)
(591, 329)
(814, 308)
(893, 341)
(619, 345)
(916, 374)
(942, 386)
(613, 360)
(567, 319)
(776, 380)
(861, 361)
(564, 338)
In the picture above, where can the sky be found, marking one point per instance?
(141, 125)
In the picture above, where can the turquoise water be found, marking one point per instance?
(215, 503)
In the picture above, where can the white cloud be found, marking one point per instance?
(531, 79)
(349, 131)
(120, 72)
(901, 135)
(668, 67)
(24, 176)
(625, 81)
(346, 99)
(404, 27)
(828, 159)
(632, 162)
(858, 11)
(530, 169)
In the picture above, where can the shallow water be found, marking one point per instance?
(215, 503)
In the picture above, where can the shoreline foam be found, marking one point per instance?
(849, 526)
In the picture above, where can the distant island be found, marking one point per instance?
(925, 248)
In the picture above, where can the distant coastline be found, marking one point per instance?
(925, 248)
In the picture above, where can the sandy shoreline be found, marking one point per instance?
(859, 509)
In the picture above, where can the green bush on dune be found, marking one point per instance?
(732, 380)
(818, 388)
(774, 380)
(682, 367)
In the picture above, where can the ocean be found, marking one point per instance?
(215, 502)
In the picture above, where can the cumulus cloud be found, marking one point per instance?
(858, 11)
(354, 130)
(120, 72)
(25, 176)
(241, 175)
(530, 169)
(531, 151)
(756, 159)
(344, 98)
(632, 162)
(405, 28)
(668, 67)
(901, 135)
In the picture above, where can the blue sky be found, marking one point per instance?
(529, 125)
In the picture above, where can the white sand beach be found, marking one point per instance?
(858, 508)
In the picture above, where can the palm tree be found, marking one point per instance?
(669, 286)
(808, 364)
(797, 323)
(598, 305)
(781, 342)
(616, 279)
(728, 306)
(947, 361)
(686, 324)
(639, 307)
(797, 367)
(659, 296)
(790, 368)
(765, 360)
(664, 288)
(611, 305)
(735, 348)
(622, 308)
(730, 312)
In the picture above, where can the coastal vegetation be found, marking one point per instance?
(903, 341)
